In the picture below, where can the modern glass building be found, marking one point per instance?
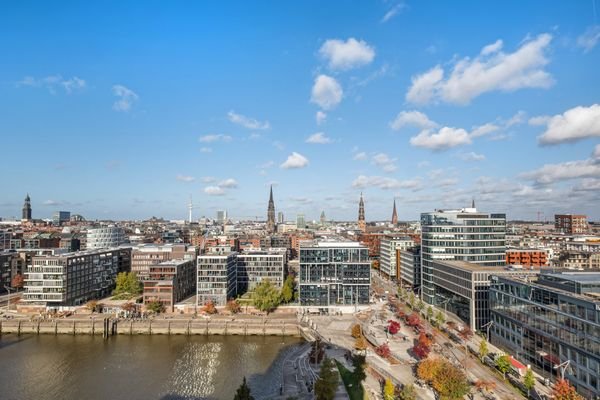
(334, 274)
(104, 238)
(409, 267)
(459, 235)
(388, 247)
(549, 321)
(217, 278)
(253, 267)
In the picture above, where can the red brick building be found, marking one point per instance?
(527, 257)
(571, 224)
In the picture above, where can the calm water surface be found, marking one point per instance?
(139, 367)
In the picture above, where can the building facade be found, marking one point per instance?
(527, 257)
(409, 270)
(170, 282)
(460, 235)
(26, 215)
(388, 247)
(549, 321)
(571, 224)
(61, 217)
(72, 279)
(217, 278)
(334, 274)
(144, 256)
(254, 267)
(11, 265)
(104, 238)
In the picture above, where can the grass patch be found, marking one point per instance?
(355, 391)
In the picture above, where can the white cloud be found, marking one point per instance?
(126, 98)
(360, 156)
(472, 156)
(551, 173)
(585, 185)
(445, 138)
(266, 165)
(516, 119)
(395, 10)
(326, 92)
(208, 179)
(412, 118)
(385, 162)
(228, 183)
(52, 82)
(574, 124)
(346, 55)
(184, 178)
(596, 153)
(484, 129)
(491, 70)
(589, 38)
(215, 138)
(318, 138)
(295, 160)
(247, 122)
(52, 203)
(206, 150)
(320, 117)
(385, 183)
(214, 191)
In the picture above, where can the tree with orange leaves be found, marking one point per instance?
(563, 390)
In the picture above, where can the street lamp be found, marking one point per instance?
(563, 367)
(488, 326)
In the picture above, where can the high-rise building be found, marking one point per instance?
(461, 235)
(104, 238)
(280, 217)
(571, 224)
(221, 216)
(334, 274)
(394, 215)
(271, 213)
(362, 225)
(27, 209)
(217, 278)
(389, 245)
(300, 221)
(60, 217)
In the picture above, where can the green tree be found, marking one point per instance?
(411, 300)
(388, 390)
(243, 392)
(328, 381)
(439, 318)
(359, 362)
(127, 283)
(266, 297)
(420, 305)
(408, 392)
(483, 349)
(529, 381)
(429, 313)
(451, 383)
(288, 289)
(503, 364)
(155, 306)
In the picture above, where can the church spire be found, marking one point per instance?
(394, 215)
(271, 213)
(473, 203)
(361, 214)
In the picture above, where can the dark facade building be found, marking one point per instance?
(170, 282)
(334, 274)
(409, 267)
(548, 321)
(27, 209)
(10, 266)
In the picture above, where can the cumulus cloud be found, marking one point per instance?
(412, 118)
(395, 10)
(574, 124)
(53, 82)
(385, 162)
(215, 138)
(360, 156)
(551, 173)
(184, 178)
(326, 92)
(472, 156)
(484, 129)
(444, 138)
(344, 55)
(126, 98)
(214, 191)
(589, 38)
(247, 122)
(591, 185)
(228, 183)
(490, 70)
(294, 161)
(318, 138)
(320, 117)
(385, 183)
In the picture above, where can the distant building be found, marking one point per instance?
(271, 213)
(394, 215)
(217, 278)
(144, 256)
(389, 244)
(5, 239)
(280, 217)
(300, 221)
(60, 217)
(170, 282)
(362, 225)
(221, 216)
(11, 264)
(578, 260)
(104, 238)
(409, 271)
(334, 275)
(571, 224)
(527, 257)
(72, 279)
(275, 241)
(27, 209)
(461, 235)
(548, 321)
(256, 266)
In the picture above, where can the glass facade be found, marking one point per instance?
(334, 274)
(546, 326)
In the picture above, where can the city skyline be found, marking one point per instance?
(124, 114)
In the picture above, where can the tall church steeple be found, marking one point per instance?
(362, 225)
(271, 213)
(394, 215)
(27, 209)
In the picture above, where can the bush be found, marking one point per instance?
(155, 306)
(233, 306)
(393, 327)
(209, 308)
(356, 331)
(383, 350)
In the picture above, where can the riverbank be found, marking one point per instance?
(96, 325)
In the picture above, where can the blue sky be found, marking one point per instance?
(123, 109)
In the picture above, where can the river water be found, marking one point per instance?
(139, 367)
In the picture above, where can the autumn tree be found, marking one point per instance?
(155, 306)
(127, 283)
(393, 327)
(503, 364)
(383, 351)
(209, 308)
(233, 306)
(413, 320)
(529, 381)
(328, 381)
(17, 281)
(91, 305)
(563, 390)
(388, 390)
(243, 392)
(408, 392)
(423, 346)
(450, 382)
(360, 344)
(483, 349)
(266, 297)
(428, 368)
(356, 331)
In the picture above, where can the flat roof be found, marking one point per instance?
(468, 266)
(579, 277)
